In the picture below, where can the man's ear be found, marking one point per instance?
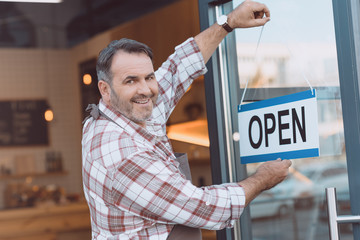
(105, 91)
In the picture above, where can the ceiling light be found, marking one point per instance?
(33, 1)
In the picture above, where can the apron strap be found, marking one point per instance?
(184, 164)
(93, 110)
(181, 232)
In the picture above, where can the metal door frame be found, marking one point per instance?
(217, 123)
(347, 31)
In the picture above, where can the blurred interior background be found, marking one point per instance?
(48, 53)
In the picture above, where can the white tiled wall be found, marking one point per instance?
(27, 74)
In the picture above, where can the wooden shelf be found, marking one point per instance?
(35, 175)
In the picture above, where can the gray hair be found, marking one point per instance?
(103, 65)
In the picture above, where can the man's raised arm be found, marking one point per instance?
(247, 14)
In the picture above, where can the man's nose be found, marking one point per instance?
(144, 87)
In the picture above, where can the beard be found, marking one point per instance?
(131, 109)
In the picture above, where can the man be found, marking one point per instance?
(132, 181)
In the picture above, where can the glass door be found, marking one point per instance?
(297, 50)
(286, 56)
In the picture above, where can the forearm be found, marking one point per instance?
(209, 40)
(252, 186)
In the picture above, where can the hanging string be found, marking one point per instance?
(302, 72)
(256, 60)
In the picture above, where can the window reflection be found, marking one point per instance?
(292, 46)
(294, 50)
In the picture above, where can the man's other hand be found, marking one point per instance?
(273, 172)
(267, 175)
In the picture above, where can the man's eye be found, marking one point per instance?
(130, 82)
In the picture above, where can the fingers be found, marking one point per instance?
(260, 22)
(288, 162)
(260, 9)
(250, 14)
(285, 163)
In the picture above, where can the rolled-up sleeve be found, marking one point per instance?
(237, 198)
(155, 190)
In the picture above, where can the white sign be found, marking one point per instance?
(284, 127)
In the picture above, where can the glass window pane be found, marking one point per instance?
(297, 48)
(298, 43)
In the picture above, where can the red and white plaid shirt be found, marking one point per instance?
(131, 180)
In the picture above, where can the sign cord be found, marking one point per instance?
(302, 72)
(256, 59)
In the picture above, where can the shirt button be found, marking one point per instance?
(207, 203)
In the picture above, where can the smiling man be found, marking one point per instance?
(135, 185)
(131, 87)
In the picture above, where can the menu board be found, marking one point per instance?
(22, 123)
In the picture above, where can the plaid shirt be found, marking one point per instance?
(131, 179)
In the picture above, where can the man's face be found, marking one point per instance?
(134, 89)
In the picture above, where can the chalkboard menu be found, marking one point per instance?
(22, 123)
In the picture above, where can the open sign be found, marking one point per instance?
(284, 127)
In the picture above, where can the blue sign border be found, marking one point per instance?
(278, 100)
(314, 152)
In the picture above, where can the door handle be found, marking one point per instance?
(333, 218)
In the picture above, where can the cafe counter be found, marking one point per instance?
(45, 222)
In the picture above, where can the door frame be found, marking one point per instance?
(347, 31)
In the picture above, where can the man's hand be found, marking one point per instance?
(268, 175)
(249, 14)
(272, 173)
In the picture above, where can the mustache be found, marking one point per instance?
(135, 98)
(142, 96)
